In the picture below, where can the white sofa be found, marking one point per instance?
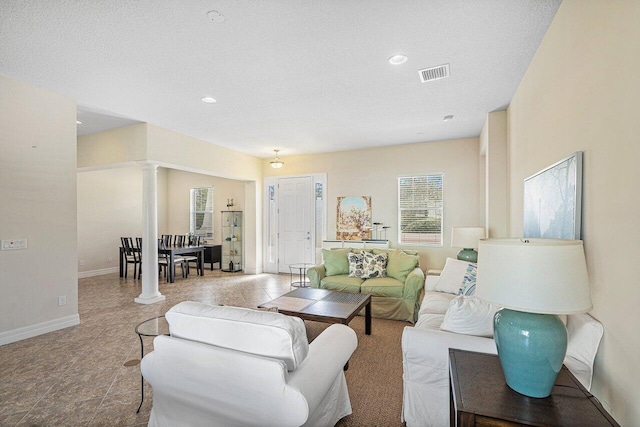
(230, 366)
(425, 356)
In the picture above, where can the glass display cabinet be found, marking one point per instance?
(232, 256)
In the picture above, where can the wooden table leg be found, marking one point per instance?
(367, 318)
(172, 268)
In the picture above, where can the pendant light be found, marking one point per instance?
(276, 163)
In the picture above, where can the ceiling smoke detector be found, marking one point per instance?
(434, 73)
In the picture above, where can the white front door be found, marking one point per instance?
(295, 222)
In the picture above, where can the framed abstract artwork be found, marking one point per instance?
(553, 200)
(353, 218)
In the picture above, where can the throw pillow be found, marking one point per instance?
(469, 316)
(375, 265)
(335, 261)
(452, 276)
(468, 287)
(399, 265)
(356, 268)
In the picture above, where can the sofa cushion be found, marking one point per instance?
(452, 276)
(383, 287)
(342, 283)
(374, 265)
(429, 321)
(336, 261)
(399, 264)
(435, 302)
(469, 316)
(262, 333)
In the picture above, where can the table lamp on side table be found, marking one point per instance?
(533, 280)
(467, 239)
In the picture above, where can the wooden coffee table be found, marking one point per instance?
(323, 305)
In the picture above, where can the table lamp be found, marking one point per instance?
(534, 280)
(467, 239)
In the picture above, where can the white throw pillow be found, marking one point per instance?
(584, 334)
(257, 332)
(452, 276)
(469, 316)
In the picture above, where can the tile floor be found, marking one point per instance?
(76, 376)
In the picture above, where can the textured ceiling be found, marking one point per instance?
(304, 76)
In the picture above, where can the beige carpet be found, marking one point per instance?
(374, 376)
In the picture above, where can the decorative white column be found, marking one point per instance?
(150, 292)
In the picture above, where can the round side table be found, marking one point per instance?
(149, 328)
(299, 269)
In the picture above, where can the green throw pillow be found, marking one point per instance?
(400, 265)
(335, 261)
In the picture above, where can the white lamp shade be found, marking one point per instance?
(546, 276)
(466, 237)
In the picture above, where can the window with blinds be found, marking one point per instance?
(420, 210)
(201, 211)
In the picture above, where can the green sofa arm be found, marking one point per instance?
(414, 284)
(316, 274)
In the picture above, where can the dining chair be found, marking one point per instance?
(193, 257)
(132, 256)
(178, 240)
(166, 238)
(164, 259)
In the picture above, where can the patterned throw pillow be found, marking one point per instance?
(468, 286)
(356, 267)
(375, 265)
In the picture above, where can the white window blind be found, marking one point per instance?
(201, 211)
(420, 210)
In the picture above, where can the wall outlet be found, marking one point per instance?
(62, 300)
(81, 262)
(110, 260)
(14, 244)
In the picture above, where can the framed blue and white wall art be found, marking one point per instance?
(553, 200)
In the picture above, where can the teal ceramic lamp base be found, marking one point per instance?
(467, 254)
(531, 348)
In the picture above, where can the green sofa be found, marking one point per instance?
(395, 296)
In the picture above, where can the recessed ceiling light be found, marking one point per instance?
(398, 59)
(447, 118)
(215, 16)
(420, 133)
(208, 100)
(78, 122)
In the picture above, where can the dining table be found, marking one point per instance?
(172, 251)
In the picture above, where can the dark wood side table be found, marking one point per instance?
(479, 396)
(213, 255)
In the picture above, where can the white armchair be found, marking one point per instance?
(229, 366)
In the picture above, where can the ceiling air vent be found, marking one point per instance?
(434, 73)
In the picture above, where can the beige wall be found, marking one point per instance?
(493, 143)
(374, 172)
(180, 183)
(38, 194)
(581, 93)
(109, 207)
(122, 145)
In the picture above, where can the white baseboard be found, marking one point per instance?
(92, 273)
(38, 329)
(252, 271)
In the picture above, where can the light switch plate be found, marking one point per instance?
(14, 244)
